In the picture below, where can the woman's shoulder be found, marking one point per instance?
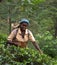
(14, 30)
(29, 31)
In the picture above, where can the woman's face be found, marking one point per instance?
(23, 26)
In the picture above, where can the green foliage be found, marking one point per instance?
(26, 56)
(23, 56)
(35, 10)
(48, 43)
(3, 38)
(43, 15)
(4, 27)
(36, 1)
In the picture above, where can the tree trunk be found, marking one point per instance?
(9, 18)
(9, 21)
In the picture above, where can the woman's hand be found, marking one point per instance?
(37, 47)
(41, 52)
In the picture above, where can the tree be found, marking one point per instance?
(15, 10)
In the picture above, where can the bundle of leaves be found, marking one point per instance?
(23, 56)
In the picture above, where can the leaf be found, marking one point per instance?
(9, 0)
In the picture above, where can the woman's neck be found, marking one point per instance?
(22, 32)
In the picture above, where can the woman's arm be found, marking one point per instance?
(11, 43)
(37, 47)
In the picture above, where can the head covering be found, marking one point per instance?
(24, 21)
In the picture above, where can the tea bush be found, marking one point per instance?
(3, 38)
(26, 56)
(23, 56)
(47, 43)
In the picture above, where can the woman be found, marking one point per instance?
(21, 35)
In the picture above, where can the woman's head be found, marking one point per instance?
(24, 24)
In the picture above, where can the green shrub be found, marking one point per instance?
(48, 44)
(23, 56)
(26, 56)
(3, 38)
